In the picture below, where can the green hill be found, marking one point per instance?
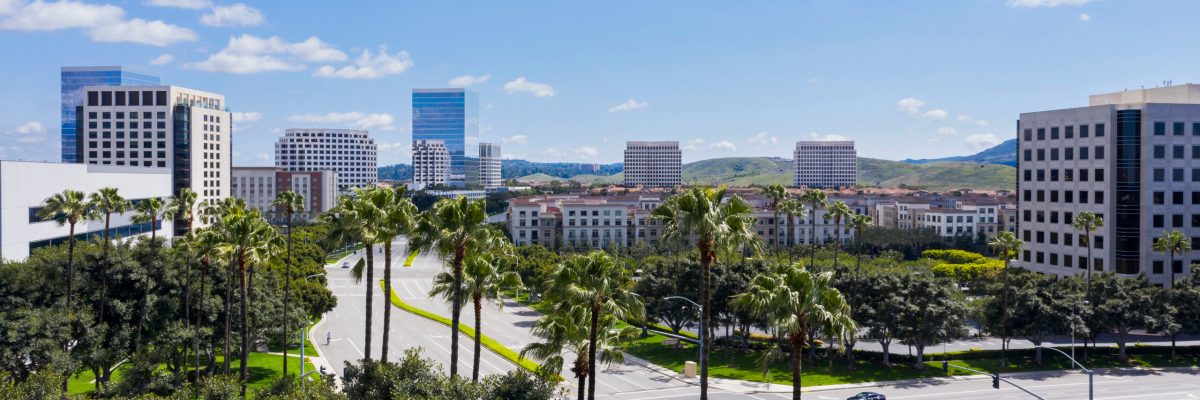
(746, 171)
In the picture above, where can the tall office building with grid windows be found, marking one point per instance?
(653, 164)
(1131, 157)
(72, 81)
(350, 154)
(451, 116)
(825, 164)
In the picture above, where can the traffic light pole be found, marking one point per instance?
(1088, 371)
(996, 378)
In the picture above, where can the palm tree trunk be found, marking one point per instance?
(1004, 317)
(70, 287)
(141, 318)
(287, 291)
(387, 294)
(812, 261)
(245, 324)
(797, 340)
(199, 321)
(706, 259)
(1172, 266)
(592, 334)
(370, 249)
(228, 314)
(478, 329)
(104, 275)
(582, 366)
(456, 309)
(837, 227)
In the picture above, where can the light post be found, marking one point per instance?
(701, 308)
(303, 334)
(1090, 373)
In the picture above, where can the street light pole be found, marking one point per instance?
(1091, 374)
(701, 308)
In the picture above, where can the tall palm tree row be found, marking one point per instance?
(353, 219)
(455, 229)
(482, 281)
(1007, 246)
(777, 193)
(796, 302)
(106, 202)
(816, 201)
(792, 209)
(839, 212)
(1173, 242)
(715, 224)
(149, 211)
(289, 203)
(396, 216)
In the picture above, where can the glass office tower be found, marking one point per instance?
(73, 79)
(449, 115)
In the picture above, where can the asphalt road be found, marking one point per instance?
(1064, 385)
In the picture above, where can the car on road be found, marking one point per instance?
(868, 396)
(345, 264)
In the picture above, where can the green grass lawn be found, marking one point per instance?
(261, 369)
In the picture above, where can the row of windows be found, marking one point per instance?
(1177, 128)
(1067, 153)
(132, 125)
(1068, 175)
(1068, 132)
(132, 115)
(121, 154)
(1067, 260)
(130, 98)
(1068, 196)
(1177, 151)
(1068, 239)
(121, 134)
(1068, 217)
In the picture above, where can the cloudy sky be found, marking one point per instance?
(569, 81)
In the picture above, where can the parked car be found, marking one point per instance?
(868, 396)
(345, 264)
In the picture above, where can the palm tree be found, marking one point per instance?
(107, 202)
(354, 218)
(816, 201)
(203, 244)
(797, 302)
(839, 211)
(249, 240)
(597, 285)
(68, 207)
(1173, 242)
(566, 332)
(716, 224)
(183, 206)
(397, 216)
(776, 193)
(859, 222)
(289, 203)
(482, 280)
(454, 229)
(1088, 222)
(1006, 245)
(217, 213)
(150, 211)
(792, 209)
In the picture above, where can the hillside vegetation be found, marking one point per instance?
(746, 171)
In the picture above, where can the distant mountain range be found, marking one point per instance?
(1003, 154)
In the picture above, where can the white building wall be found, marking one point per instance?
(825, 164)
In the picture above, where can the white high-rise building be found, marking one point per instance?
(351, 154)
(185, 130)
(825, 164)
(489, 165)
(653, 164)
(431, 163)
(1131, 157)
(258, 186)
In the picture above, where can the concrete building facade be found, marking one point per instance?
(489, 166)
(431, 163)
(653, 164)
(350, 153)
(825, 164)
(72, 81)
(259, 186)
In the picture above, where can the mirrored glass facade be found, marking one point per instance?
(451, 116)
(73, 79)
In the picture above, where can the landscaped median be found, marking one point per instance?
(411, 256)
(486, 341)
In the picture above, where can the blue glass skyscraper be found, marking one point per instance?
(449, 115)
(73, 81)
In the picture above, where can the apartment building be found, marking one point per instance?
(489, 166)
(259, 186)
(653, 164)
(185, 130)
(431, 163)
(351, 154)
(825, 164)
(949, 217)
(1131, 157)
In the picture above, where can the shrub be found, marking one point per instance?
(954, 256)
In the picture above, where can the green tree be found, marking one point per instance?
(67, 208)
(705, 216)
(106, 202)
(248, 240)
(150, 211)
(933, 314)
(1088, 222)
(597, 285)
(1173, 242)
(289, 203)
(882, 309)
(839, 212)
(482, 281)
(1122, 305)
(1007, 246)
(353, 219)
(816, 201)
(565, 332)
(793, 209)
(396, 216)
(1168, 311)
(776, 193)
(796, 302)
(454, 229)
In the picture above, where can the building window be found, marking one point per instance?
(1160, 128)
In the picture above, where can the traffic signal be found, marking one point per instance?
(995, 381)
(945, 366)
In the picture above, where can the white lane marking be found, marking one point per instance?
(360, 353)
(1145, 395)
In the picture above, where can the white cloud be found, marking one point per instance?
(981, 141)
(137, 30)
(827, 138)
(981, 122)
(1045, 3)
(945, 130)
(164, 59)
(262, 157)
(910, 105)
(29, 132)
(816, 79)
(964, 117)
(586, 152)
(234, 15)
(723, 145)
(762, 138)
(246, 116)
(381, 121)
(1084, 17)
(468, 80)
(629, 105)
(523, 85)
(43, 16)
(395, 147)
(189, 4)
(248, 54)
(694, 144)
(367, 66)
(515, 139)
(936, 114)
(28, 128)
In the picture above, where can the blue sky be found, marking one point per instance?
(571, 81)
